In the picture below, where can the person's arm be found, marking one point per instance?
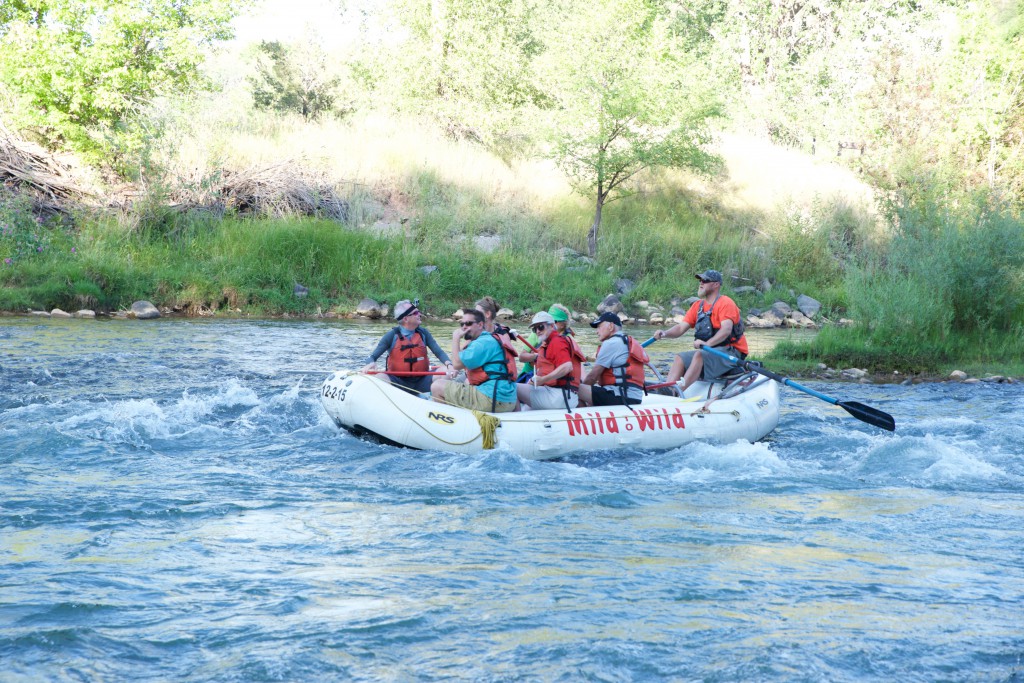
(457, 349)
(383, 345)
(718, 337)
(561, 371)
(676, 330)
(612, 353)
(594, 374)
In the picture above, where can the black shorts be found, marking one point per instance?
(417, 384)
(610, 396)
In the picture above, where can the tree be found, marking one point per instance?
(294, 78)
(85, 70)
(469, 63)
(628, 98)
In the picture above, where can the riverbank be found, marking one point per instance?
(764, 346)
(913, 285)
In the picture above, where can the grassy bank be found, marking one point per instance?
(253, 265)
(931, 287)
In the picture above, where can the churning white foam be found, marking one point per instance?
(735, 461)
(137, 420)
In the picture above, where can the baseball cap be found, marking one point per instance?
(542, 317)
(709, 276)
(607, 317)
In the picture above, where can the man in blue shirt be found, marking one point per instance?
(489, 388)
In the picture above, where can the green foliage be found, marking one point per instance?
(85, 70)
(950, 284)
(812, 247)
(25, 235)
(628, 98)
(470, 64)
(295, 78)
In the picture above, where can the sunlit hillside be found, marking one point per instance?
(763, 176)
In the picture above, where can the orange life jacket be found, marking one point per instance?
(502, 334)
(546, 367)
(499, 368)
(408, 355)
(632, 371)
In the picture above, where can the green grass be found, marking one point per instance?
(940, 288)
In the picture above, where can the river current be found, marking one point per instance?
(176, 506)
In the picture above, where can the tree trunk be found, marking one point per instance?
(594, 227)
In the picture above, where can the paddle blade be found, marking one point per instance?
(873, 416)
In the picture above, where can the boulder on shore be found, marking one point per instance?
(368, 308)
(809, 306)
(143, 310)
(611, 304)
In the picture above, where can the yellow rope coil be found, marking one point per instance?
(488, 426)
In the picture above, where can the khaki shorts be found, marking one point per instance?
(467, 396)
(550, 398)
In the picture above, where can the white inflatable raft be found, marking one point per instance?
(747, 409)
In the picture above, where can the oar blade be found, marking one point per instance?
(873, 416)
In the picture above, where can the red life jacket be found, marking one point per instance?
(408, 355)
(546, 367)
(499, 368)
(633, 373)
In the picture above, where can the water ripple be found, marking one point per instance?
(175, 505)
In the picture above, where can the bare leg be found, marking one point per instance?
(523, 393)
(676, 371)
(437, 389)
(585, 395)
(693, 370)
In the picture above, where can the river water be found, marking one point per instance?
(175, 505)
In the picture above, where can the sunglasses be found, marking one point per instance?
(467, 323)
(539, 327)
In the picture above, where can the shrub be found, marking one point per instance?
(24, 234)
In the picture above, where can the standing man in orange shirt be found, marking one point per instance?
(716, 322)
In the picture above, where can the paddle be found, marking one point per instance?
(405, 373)
(516, 336)
(864, 413)
(648, 342)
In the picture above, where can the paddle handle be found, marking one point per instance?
(648, 342)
